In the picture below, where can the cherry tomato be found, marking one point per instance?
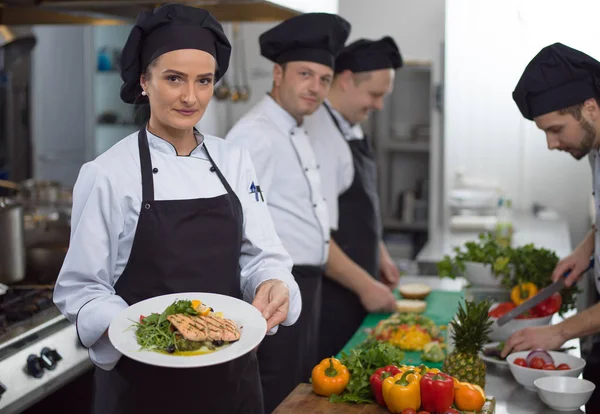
(501, 309)
(549, 367)
(423, 412)
(409, 411)
(549, 306)
(451, 411)
(536, 363)
(530, 314)
(142, 318)
(562, 367)
(521, 362)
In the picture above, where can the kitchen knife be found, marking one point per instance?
(540, 297)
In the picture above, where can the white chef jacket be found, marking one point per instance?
(107, 199)
(288, 171)
(333, 154)
(594, 158)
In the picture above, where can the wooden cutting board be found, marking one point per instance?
(302, 401)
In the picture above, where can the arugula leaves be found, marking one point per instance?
(362, 363)
(154, 331)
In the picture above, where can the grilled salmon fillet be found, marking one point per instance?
(205, 328)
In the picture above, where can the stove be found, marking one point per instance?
(39, 348)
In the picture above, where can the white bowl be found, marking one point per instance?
(480, 274)
(564, 393)
(526, 376)
(502, 333)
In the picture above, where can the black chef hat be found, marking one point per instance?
(311, 37)
(366, 55)
(556, 78)
(164, 29)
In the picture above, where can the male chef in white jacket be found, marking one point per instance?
(303, 50)
(364, 75)
(560, 91)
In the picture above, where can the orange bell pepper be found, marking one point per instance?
(468, 397)
(330, 377)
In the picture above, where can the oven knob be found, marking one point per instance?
(49, 358)
(34, 366)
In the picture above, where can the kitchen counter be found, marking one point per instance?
(549, 234)
(509, 396)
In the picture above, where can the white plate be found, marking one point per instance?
(491, 360)
(252, 325)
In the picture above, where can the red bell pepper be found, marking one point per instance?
(377, 379)
(437, 392)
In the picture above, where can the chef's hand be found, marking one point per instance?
(273, 300)
(390, 275)
(545, 337)
(377, 297)
(577, 262)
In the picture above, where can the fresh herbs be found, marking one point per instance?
(514, 265)
(154, 331)
(362, 363)
(485, 250)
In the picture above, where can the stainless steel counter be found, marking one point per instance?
(511, 397)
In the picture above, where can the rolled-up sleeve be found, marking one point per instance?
(263, 255)
(84, 290)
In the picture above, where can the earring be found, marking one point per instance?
(144, 93)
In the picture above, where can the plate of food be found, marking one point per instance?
(187, 330)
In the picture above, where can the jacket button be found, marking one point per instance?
(314, 205)
(327, 242)
(147, 206)
(154, 170)
(213, 169)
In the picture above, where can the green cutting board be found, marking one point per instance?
(441, 308)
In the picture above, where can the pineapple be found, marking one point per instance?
(470, 332)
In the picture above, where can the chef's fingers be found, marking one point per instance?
(279, 316)
(277, 298)
(562, 267)
(515, 339)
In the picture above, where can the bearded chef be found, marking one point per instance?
(560, 91)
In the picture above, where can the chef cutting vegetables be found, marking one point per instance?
(359, 266)
(560, 91)
(274, 134)
(169, 210)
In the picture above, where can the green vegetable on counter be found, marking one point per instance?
(362, 362)
(515, 265)
(433, 352)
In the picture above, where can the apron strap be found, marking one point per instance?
(335, 120)
(219, 174)
(146, 166)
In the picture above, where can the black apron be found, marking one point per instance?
(287, 358)
(358, 235)
(591, 372)
(181, 246)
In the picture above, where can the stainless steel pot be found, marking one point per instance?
(12, 241)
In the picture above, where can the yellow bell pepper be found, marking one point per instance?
(523, 292)
(330, 377)
(419, 371)
(402, 391)
(468, 397)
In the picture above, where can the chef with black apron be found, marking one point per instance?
(560, 91)
(359, 266)
(166, 210)
(303, 50)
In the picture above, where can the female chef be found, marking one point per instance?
(169, 210)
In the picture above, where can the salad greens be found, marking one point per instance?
(362, 363)
(154, 331)
(513, 264)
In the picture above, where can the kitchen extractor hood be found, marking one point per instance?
(107, 12)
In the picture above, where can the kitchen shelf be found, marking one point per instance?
(399, 225)
(406, 146)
